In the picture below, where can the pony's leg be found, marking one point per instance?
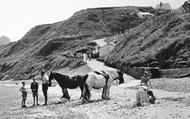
(104, 92)
(81, 88)
(88, 89)
(108, 90)
(84, 99)
(65, 93)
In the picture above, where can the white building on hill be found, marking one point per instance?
(164, 6)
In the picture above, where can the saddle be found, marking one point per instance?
(103, 73)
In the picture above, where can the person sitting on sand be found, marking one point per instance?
(144, 96)
(45, 85)
(34, 88)
(24, 94)
(145, 79)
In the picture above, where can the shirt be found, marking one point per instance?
(34, 86)
(23, 90)
(144, 80)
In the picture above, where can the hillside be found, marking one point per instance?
(41, 47)
(161, 42)
(4, 40)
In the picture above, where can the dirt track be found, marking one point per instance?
(169, 105)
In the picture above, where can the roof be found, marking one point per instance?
(164, 6)
(82, 50)
(92, 44)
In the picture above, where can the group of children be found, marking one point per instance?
(34, 88)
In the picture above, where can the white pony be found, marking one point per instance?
(99, 80)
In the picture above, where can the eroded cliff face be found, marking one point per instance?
(161, 42)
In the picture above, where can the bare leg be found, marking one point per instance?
(37, 99)
(34, 100)
(22, 103)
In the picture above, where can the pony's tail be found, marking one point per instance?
(87, 90)
(85, 78)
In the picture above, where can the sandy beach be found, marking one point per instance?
(169, 105)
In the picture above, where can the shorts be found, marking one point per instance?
(24, 96)
(35, 94)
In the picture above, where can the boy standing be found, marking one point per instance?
(34, 88)
(24, 94)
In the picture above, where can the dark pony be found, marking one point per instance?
(66, 81)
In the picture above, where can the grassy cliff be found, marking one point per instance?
(41, 47)
(160, 42)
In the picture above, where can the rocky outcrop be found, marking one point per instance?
(4, 40)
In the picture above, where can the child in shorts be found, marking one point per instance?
(24, 94)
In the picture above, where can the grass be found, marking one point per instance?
(162, 39)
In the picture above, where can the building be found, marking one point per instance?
(94, 52)
(163, 6)
(145, 15)
(186, 7)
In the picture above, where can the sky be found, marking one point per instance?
(17, 17)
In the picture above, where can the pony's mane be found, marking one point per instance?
(60, 75)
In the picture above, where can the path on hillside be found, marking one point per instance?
(100, 42)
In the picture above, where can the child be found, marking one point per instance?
(34, 88)
(24, 94)
(145, 79)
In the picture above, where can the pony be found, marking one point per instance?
(99, 80)
(66, 81)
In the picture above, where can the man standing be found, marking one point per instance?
(45, 80)
(34, 88)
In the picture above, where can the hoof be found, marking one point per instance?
(84, 101)
(81, 98)
(108, 98)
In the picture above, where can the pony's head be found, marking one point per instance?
(51, 77)
(42, 73)
(120, 77)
